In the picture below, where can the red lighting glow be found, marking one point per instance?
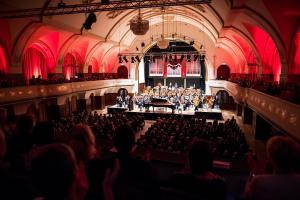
(267, 50)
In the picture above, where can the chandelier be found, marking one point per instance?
(138, 25)
(163, 43)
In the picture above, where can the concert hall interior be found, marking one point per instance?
(150, 99)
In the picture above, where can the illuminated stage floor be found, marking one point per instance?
(153, 113)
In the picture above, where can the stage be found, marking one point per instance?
(153, 113)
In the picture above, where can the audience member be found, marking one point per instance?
(284, 183)
(136, 178)
(198, 180)
(54, 172)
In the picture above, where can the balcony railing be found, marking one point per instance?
(11, 95)
(284, 114)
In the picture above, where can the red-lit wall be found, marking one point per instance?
(267, 50)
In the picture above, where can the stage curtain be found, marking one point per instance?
(3, 61)
(165, 63)
(69, 66)
(34, 63)
(183, 67)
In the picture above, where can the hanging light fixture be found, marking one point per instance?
(163, 43)
(138, 25)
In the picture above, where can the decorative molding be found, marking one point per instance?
(19, 94)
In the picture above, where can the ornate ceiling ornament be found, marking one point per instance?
(138, 25)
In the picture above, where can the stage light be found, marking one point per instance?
(125, 59)
(120, 59)
(196, 57)
(138, 59)
(192, 42)
(188, 58)
(132, 60)
(61, 4)
(104, 2)
(92, 18)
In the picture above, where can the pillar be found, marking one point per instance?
(239, 109)
(247, 115)
(262, 130)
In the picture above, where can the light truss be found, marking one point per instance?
(97, 7)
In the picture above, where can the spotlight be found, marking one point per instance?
(181, 58)
(61, 4)
(138, 59)
(188, 58)
(92, 18)
(104, 1)
(132, 60)
(196, 57)
(125, 59)
(120, 59)
(192, 42)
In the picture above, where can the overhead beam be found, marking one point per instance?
(97, 7)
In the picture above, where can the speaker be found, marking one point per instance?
(92, 18)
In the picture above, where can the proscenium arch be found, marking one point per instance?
(150, 45)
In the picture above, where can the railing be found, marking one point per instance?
(284, 114)
(10, 95)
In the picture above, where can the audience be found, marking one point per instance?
(61, 159)
(284, 182)
(175, 133)
(54, 172)
(136, 178)
(198, 180)
(6, 82)
(289, 92)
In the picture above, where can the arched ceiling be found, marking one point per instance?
(219, 24)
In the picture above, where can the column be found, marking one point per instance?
(247, 115)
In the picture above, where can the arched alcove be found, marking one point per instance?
(223, 72)
(3, 61)
(122, 72)
(34, 64)
(69, 66)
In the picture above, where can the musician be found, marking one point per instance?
(196, 102)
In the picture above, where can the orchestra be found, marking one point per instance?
(182, 98)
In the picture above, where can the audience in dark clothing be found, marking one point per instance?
(136, 178)
(197, 180)
(284, 182)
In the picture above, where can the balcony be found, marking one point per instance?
(284, 114)
(19, 94)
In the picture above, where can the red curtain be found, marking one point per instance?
(34, 63)
(69, 66)
(3, 62)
